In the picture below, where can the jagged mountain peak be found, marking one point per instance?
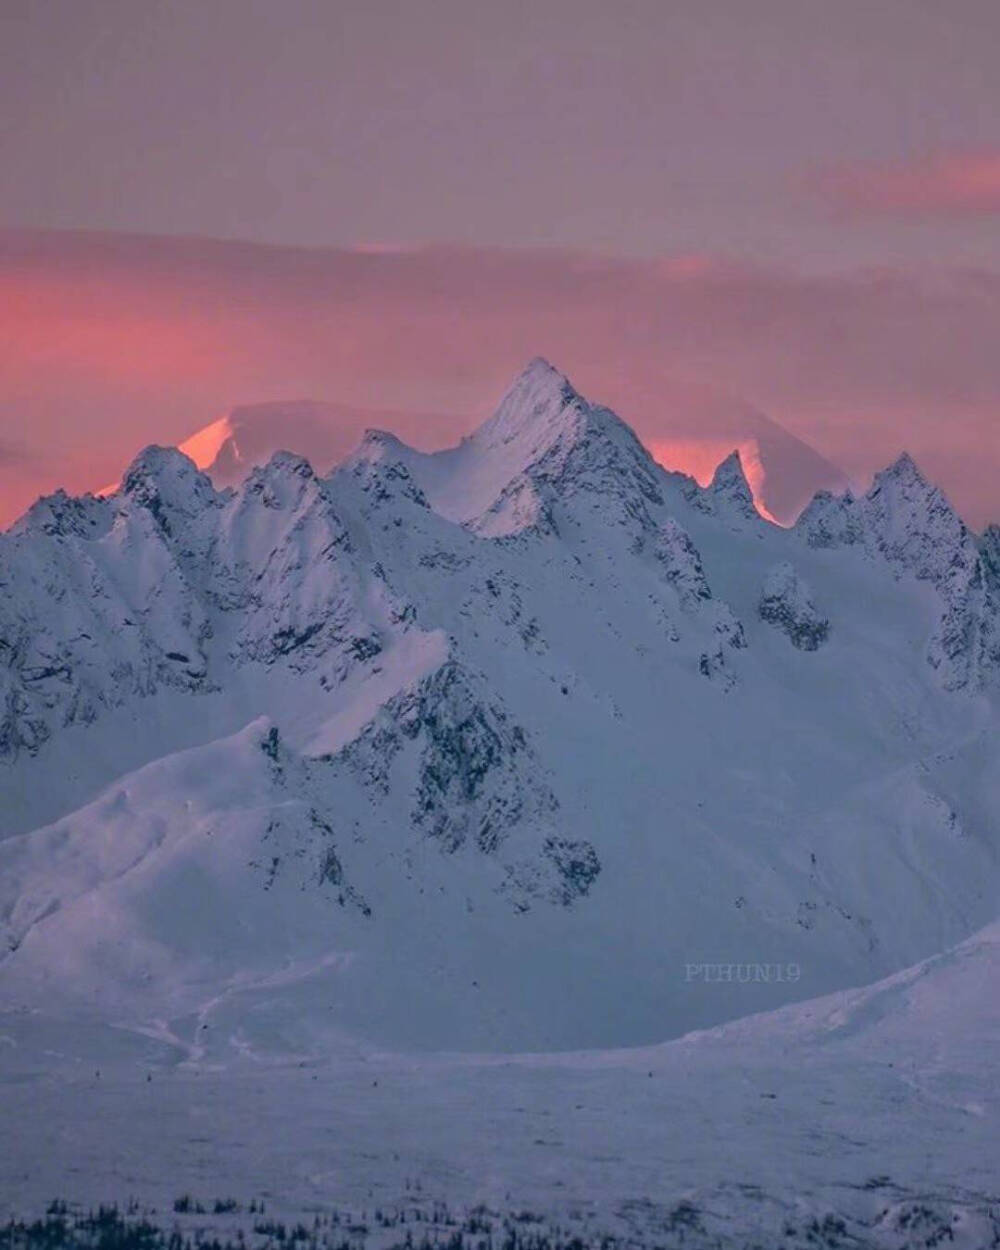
(901, 500)
(730, 486)
(166, 482)
(905, 479)
(730, 472)
(903, 505)
(158, 461)
(541, 410)
(164, 470)
(381, 451)
(541, 376)
(830, 520)
(284, 482)
(904, 469)
(908, 521)
(383, 464)
(912, 497)
(545, 442)
(538, 367)
(283, 464)
(540, 404)
(379, 444)
(60, 513)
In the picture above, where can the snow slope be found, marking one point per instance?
(484, 749)
(868, 1118)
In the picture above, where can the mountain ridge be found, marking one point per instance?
(781, 467)
(533, 693)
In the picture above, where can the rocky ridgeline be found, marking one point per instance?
(909, 524)
(172, 585)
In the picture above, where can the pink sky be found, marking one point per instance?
(110, 342)
(944, 186)
(689, 207)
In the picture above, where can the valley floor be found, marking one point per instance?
(867, 1118)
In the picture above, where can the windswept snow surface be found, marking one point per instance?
(869, 1118)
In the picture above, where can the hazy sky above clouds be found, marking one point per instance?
(796, 201)
(629, 126)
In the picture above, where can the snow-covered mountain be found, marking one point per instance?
(488, 747)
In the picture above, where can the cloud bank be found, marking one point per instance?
(945, 186)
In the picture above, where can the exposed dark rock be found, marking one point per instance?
(786, 603)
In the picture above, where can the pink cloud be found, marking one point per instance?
(939, 187)
(111, 342)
